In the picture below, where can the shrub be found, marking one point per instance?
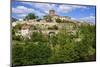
(37, 53)
(17, 54)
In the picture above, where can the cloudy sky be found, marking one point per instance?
(76, 12)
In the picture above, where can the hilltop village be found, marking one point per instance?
(50, 24)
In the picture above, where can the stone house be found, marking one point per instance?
(25, 30)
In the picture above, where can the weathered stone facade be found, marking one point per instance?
(44, 26)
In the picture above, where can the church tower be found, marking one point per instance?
(52, 12)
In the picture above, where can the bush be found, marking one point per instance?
(37, 53)
(58, 20)
(17, 54)
(31, 53)
(30, 16)
(62, 47)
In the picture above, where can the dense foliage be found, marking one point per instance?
(14, 19)
(48, 18)
(59, 48)
(30, 16)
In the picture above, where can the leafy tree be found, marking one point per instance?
(37, 53)
(17, 27)
(53, 40)
(48, 18)
(58, 20)
(36, 36)
(14, 31)
(17, 54)
(38, 49)
(86, 48)
(14, 19)
(30, 16)
(33, 27)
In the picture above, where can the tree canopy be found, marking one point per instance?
(14, 19)
(30, 16)
(61, 47)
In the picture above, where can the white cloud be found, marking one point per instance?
(44, 7)
(22, 9)
(73, 18)
(38, 13)
(61, 8)
(68, 8)
(22, 15)
(64, 8)
(89, 18)
(40, 5)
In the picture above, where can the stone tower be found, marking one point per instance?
(52, 12)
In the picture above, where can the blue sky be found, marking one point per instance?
(76, 12)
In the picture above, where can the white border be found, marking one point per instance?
(85, 2)
(4, 33)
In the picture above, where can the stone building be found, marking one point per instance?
(46, 27)
(54, 16)
(25, 30)
(52, 12)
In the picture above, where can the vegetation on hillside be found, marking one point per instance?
(30, 16)
(59, 48)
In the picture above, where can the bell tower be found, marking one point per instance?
(52, 12)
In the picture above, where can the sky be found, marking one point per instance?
(76, 12)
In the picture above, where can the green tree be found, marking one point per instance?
(14, 19)
(17, 27)
(38, 50)
(17, 54)
(85, 46)
(30, 16)
(37, 53)
(58, 20)
(48, 18)
(14, 31)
